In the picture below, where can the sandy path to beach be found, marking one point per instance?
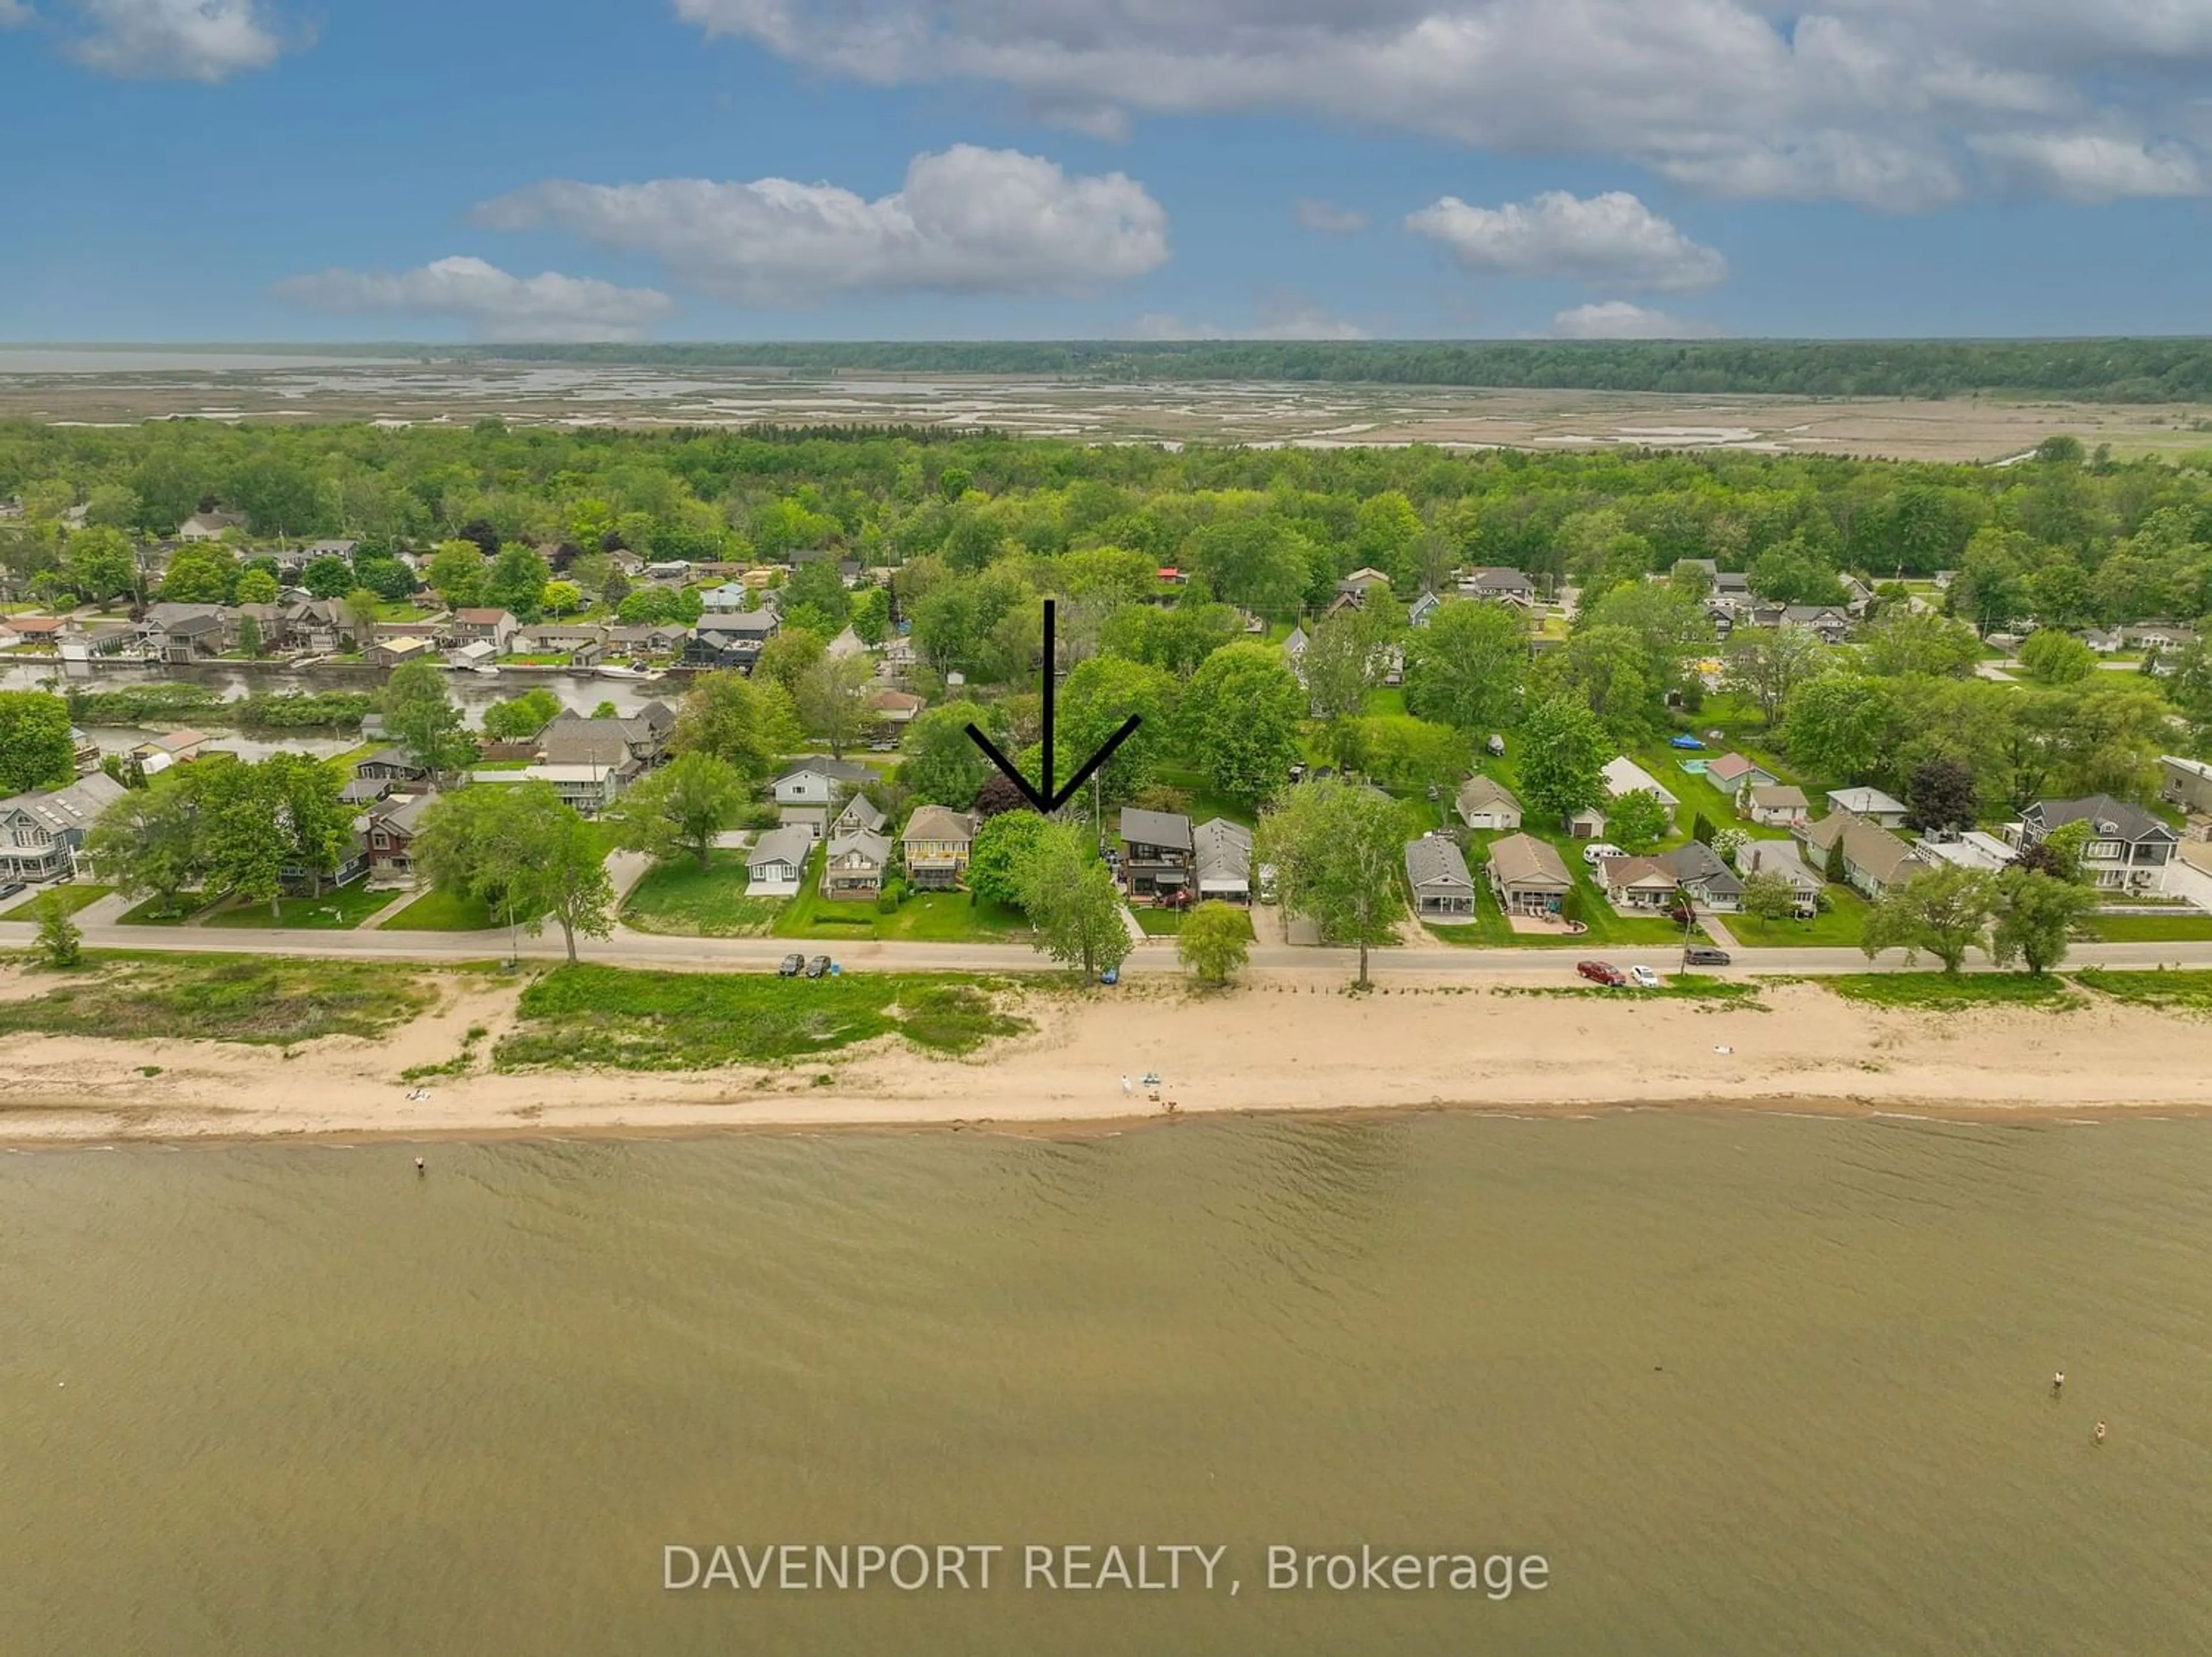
(1285, 1042)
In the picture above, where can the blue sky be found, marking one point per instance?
(254, 169)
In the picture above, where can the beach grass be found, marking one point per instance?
(256, 999)
(1939, 991)
(923, 918)
(2183, 991)
(653, 1021)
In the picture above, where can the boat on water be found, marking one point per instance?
(485, 672)
(620, 672)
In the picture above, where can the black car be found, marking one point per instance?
(1704, 955)
(819, 966)
(792, 967)
(9, 888)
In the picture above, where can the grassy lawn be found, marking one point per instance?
(1952, 992)
(924, 918)
(2191, 991)
(1204, 805)
(78, 895)
(680, 898)
(589, 1015)
(1385, 700)
(1840, 928)
(151, 913)
(1491, 931)
(226, 998)
(338, 911)
(1168, 923)
(2149, 928)
(440, 911)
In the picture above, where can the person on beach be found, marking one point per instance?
(2101, 1433)
(419, 1167)
(1128, 1088)
(2057, 1383)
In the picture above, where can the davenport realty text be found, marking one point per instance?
(1085, 1567)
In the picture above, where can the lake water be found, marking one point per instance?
(1752, 1385)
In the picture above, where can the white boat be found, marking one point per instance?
(485, 672)
(632, 673)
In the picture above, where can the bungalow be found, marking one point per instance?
(1700, 871)
(935, 846)
(41, 834)
(393, 652)
(1625, 776)
(660, 639)
(854, 866)
(1419, 613)
(1499, 585)
(1357, 586)
(1779, 857)
(806, 789)
(1637, 884)
(2185, 783)
(391, 765)
(2128, 848)
(496, 625)
(777, 862)
(1871, 804)
(209, 525)
(1221, 860)
(1442, 888)
(1157, 852)
(102, 639)
(1875, 860)
(1294, 653)
(1779, 806)
(731, 598)
(1732, 774)
(589, 789)
(730, 641)
(1970, 850)
(1487, 803)
(1528, 876)
(630, 745)
(40, 632)
(172, 748)
(895, 709)
(185, 633)
(477, 652)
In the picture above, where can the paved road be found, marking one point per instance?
(628, 949)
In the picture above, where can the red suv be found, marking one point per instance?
(1600, 971)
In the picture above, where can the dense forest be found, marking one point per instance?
(2107, 370)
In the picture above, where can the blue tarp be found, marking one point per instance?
(1685, 742)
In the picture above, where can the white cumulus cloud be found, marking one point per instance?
(1330, 219)
(968, 220)
(175, 39)
(14, 13)
(1619, 319)
(2092, 167)
(493, 304)
(1875, 101)
(1612, 240)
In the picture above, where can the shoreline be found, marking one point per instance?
(1245, 1053)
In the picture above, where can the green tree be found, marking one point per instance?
(516, 583)
(361, 609)
(870, 618)
(147, 843)
(249, 637)
(2036, 914)
(1767, 663)
(683, 805)
(423, 719)
(456, 572)
(999, 856)
(523, 853)
(1466, 666)
(1768, 895)
(1943, 911)
(1337, 850)
(1340, 670)
(36, 749)
(833, 700)
(562, 599)
(2057, 657)
(200, 574)
(748, 724)
(1096, 698)
(241, 839)
(940, 764)
(1070, 895)
(1842, 726)
(60, 944)
(1563, 755)
(785, 657)
(1941, 794)
(1914, 641)
(257, 586)
(1242, 716)
(100, 564)
(305, 798)
(1636, 821)
(328, 577)
(523, 716)
(1214, 942)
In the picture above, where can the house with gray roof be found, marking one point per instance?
(1437, 873)
(1221, 860)
(1157, 850)
(2128, 848)
(777, 862)
(1528, 876)
(853, 866)
(40, 834)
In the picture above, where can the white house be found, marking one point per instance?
(1782, 805)
(1487, 803)
(777, 862)
(1625, 776)
(40, 834)
(1881, 810)
(809, 788)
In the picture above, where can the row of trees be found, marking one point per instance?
(226, 829)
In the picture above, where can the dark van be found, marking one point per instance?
(1704, 955)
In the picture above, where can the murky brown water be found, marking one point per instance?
(1750, 1385)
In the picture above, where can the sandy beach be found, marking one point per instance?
(1282, 1042)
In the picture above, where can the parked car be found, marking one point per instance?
(1496, 745)
(819, 966)
(793, 964)
(1644, 977)
(1597, 854)
(1600, 971)
(1704, 955)
(9, 888)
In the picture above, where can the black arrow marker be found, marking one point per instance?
(1045, 800)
